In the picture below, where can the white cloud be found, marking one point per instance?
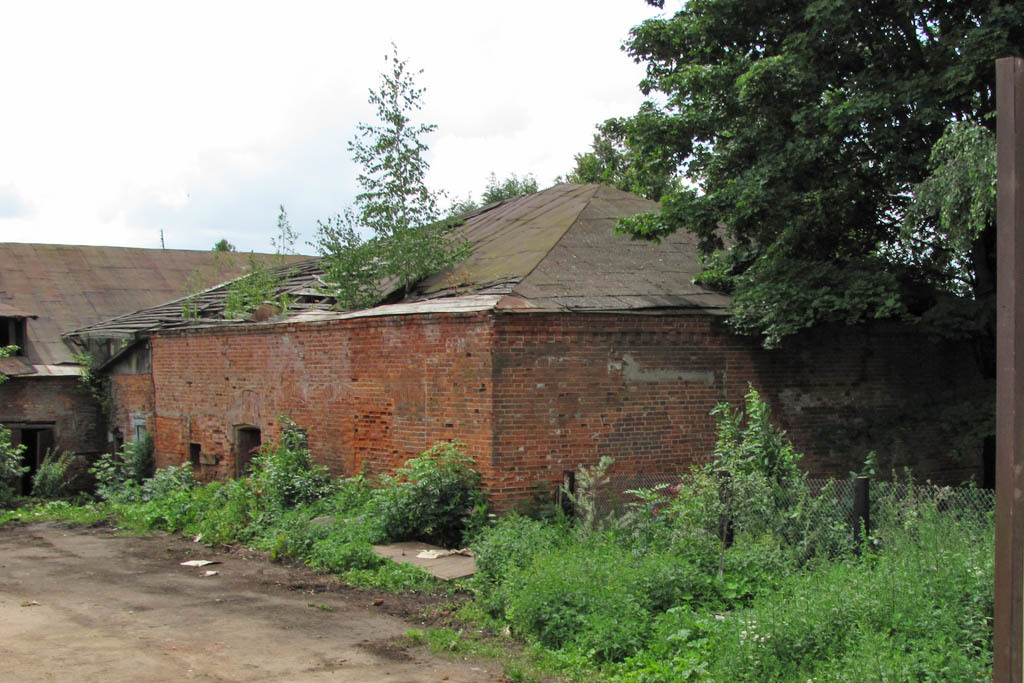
(123, 118)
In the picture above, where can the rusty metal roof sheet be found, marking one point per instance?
(58, 287)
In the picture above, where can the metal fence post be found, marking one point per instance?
(861, 511)
(725, 530)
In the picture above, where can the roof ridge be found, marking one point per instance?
(592, 188)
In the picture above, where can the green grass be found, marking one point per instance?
(57, 510)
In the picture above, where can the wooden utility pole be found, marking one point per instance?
(1008, 666)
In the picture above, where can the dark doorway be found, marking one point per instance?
(247, 444)
(37, 442)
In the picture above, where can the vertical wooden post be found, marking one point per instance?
(1008, 665)
(861, 511)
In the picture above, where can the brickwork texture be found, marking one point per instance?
(535, 394)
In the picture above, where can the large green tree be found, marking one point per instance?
(801, 132)
(618, 157)
(408, 241)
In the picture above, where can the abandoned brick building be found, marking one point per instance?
(555, 343)
(47, 290)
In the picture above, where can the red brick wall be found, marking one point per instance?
(131, 395)
(370, 392)
(570, 388)
(536, 394)
(75, 415)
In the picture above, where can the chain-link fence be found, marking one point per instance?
(823, 515)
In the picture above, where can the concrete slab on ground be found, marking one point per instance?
(444, 564)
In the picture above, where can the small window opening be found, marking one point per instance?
(247, 444)
(138, 427)
(12, 332)
(194, 454)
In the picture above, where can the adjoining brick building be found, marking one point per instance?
(555, 343)
(46, 290)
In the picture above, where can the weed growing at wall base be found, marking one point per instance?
(291, 508)
(658, 594)
(654, 593)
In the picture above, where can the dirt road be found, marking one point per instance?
(87, 605)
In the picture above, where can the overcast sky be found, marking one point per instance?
(122, 119)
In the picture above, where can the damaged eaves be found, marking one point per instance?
(555, 250)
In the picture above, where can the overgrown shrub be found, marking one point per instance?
(920, 610)
(119, 476)
(342, 551)
(436, 497)
(168, 480)
(11, 467)
(284, 473)
(512, 543)
(294, 535)
(588, 596)
(51, 478)
(509, 546)
(589, 480)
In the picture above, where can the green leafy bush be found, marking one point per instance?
(168, 480)
(119, 476)
(433, 498)
(512, 543)
(509, 546)
(340, 552)
(11, 467)
(294, 535)
(588, 596)
(284, 473)
(920, 610)
(51, 479)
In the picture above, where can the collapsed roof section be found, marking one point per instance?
(54, 288)
(555, 250)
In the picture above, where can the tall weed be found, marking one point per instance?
(51, 478)
(119, 476)
(11, 466)
(284, 472)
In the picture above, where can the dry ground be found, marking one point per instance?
(82, 604)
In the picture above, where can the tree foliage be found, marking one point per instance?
(11, 466)
(395, 204)
(223, 245)
(284, 241)
(802, 132)
(496, 191)
(954, 208)
(616, 158)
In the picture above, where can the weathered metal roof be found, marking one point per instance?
(559, 250)
(58, 288)
(300, 280)
(553, 250)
